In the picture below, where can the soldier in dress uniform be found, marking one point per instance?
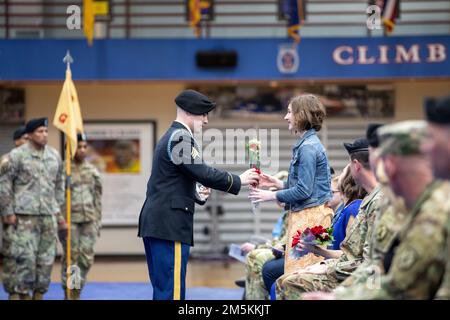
(86, 215)
(166, 218)
(35, 192)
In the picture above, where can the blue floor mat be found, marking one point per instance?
(136, 291)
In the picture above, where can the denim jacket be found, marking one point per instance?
(309, 180)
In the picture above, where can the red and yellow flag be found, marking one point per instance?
(68, 114)
(91, 9)
(88, 20)
(195, 15)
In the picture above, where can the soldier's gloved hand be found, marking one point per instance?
(10, 219)
(204, 193)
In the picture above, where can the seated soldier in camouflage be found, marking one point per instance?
(328, 274)
(258, 255)
(85, 222)
(436, 146)
(412, 263)
(256, 258)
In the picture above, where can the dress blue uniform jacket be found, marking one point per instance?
(169, 206)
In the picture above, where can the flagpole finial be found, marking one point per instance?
(68, 59)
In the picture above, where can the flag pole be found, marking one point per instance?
(68, 214)
(68, 60)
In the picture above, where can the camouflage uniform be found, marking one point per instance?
(8, 264)
(414, 261)
(32, 188)
(354, 251)
(4, 194)
(419, 254)
(86, 194)
(388, 224)
(444, 290)
(254, 284)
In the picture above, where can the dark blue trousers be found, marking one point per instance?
(271, 271)
(167, 262)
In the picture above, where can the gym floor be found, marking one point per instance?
(200, 273)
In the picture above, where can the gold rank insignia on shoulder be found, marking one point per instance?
(195, 154)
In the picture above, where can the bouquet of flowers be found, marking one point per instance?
(318, 236)
(253, 149)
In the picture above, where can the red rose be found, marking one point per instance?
(296, 238)
(317, 230)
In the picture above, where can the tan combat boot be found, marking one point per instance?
(38, 295)
(74, 294)
(25, 296)
(14, 296)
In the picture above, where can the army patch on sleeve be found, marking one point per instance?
(381, 232)
(406, 258)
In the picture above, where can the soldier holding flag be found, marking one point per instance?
(86, 195)
(68, 119)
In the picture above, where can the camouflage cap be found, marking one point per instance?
(401, 138)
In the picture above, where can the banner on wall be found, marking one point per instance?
(122, 151)
(258, 59)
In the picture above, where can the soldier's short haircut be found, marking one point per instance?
(362, 157)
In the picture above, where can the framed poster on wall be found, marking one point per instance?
(123, 152)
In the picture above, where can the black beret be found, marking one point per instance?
(194, 102)
(358, 145)
(19, 133)
(371, 134)
(81, 137)
(33, 124)
(438, 110)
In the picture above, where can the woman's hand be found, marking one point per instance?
(266, 181)
(258, 195)
(308, 247)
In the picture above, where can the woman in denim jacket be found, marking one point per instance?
(308, 188)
